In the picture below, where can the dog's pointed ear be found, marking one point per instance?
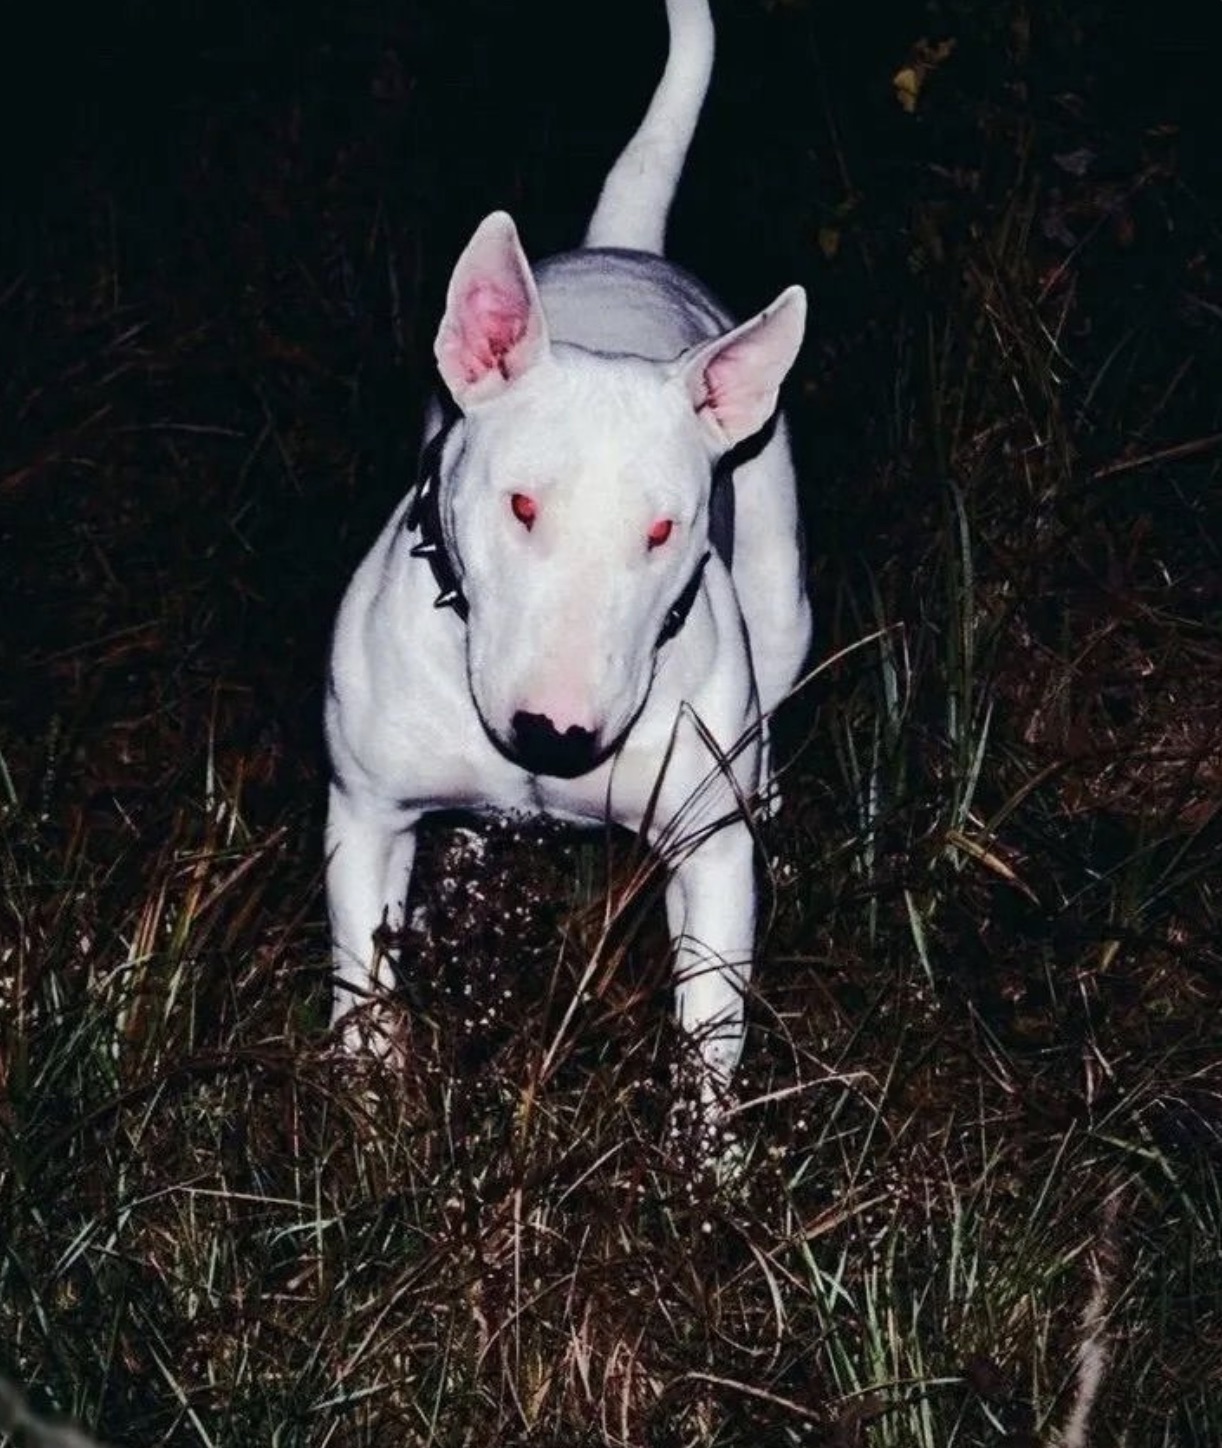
(733, 380)
(493, 329)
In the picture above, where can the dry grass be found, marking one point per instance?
(981, 1114)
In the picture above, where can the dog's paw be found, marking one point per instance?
(372, 1032)
(700, 1130)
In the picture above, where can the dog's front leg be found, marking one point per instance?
(371, 845)
(710, 907)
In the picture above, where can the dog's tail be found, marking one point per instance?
(640, 187)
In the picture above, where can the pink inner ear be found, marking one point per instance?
(733, 380)
(732, 392)
(493, 328)
(491, 323)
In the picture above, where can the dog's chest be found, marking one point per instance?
(491, 785)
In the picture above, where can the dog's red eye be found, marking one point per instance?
(524, 510)
(660, 532)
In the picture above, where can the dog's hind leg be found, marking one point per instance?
(371, 846)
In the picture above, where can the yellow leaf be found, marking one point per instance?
(907, 83)
(923, 57)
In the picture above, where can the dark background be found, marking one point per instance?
(233, 227)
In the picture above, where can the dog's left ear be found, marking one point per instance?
(493, 329)
(733, 380)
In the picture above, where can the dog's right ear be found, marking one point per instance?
(493, 329)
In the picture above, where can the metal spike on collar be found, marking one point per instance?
(424, 513)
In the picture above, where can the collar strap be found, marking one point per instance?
(424, 513)
(676, 616)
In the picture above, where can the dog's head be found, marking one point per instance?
(575, 498)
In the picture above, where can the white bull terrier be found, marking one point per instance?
(555, 621)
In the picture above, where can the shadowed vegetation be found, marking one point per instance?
(979, 1200)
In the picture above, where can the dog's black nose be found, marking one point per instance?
(541, 748)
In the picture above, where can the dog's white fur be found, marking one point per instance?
(595, 394)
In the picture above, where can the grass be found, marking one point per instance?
(980, 1201)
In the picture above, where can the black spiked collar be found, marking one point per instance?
(424, 513)
(676, 615)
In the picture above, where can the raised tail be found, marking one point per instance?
(637, 194)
